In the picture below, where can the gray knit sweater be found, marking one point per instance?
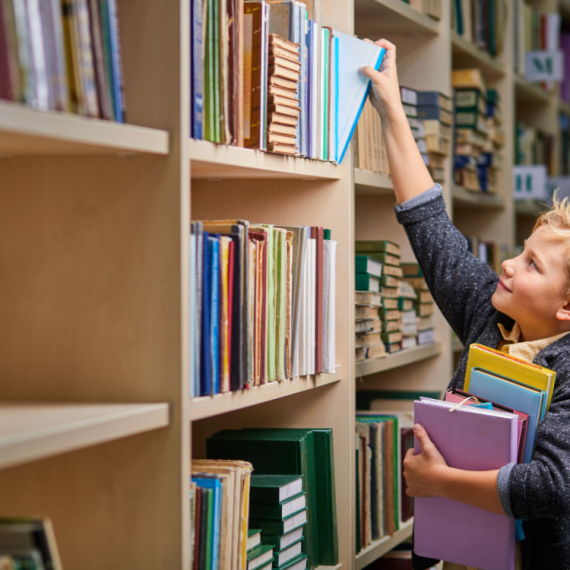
(462, 286)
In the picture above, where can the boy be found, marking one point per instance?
(525, 312)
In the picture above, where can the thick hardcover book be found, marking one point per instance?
(435, 98)
(214, 252)
(478, 440)
(435, 112)
(288, 524)
(366, 246)
(279, 511)
(365, 282)
(275, 489)
(281, 541)
(205, 356)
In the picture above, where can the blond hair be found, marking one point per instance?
(557, 219)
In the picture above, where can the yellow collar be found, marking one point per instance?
(525, 350)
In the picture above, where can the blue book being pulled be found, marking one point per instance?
(352, 87)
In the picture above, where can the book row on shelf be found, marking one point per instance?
(280, 81)
(481, 22)
(479, 133)
(63, 56)
(430, 7)
(429, 115)
(534, 146)
(393, 306)
(382, 506)
(261, 303)
(264, 498)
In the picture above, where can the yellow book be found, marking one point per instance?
(514, 368)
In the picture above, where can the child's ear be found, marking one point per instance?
(563, 313)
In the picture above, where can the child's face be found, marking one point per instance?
(532, 288)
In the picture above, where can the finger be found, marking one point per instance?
(370, 72)
(423, 437)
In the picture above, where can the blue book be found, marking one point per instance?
(310, 87)
(353, 87)
(199, 266)
(205, 356)
(116, 64)
(214, 251)
(216, 486)
(193, 328)
(197, 80)
(507, 392)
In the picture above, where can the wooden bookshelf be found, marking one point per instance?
(29, 432)
(366, 182)
(380, 547)
(530, 93)
(213, 162)
(208, 406)
(398, 359)
(462, 197)
(466, 54)
(529, 207)
(25, 131)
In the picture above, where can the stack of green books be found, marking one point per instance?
(300, 452)
(278, 506)
(259, 557)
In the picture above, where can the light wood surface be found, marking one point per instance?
(24, 131)
(366, 182)
(530, 92)
(462, 197)
(29, 432)
(398, 359)
(466, 54)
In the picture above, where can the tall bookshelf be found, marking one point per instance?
(97, 429)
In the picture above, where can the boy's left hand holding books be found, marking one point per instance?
(428, 475)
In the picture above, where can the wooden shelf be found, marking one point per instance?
(25, 131)
(29, 432)
(529, 207)
(408, 356)
(530, 93)
(395, 16)
(208, 406)
(221, 162)
(466, 54)
(336, 567)
(380, 547)
(462, 197)
(366, 182)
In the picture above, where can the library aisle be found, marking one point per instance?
(111, 201)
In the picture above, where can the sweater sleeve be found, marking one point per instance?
(541, 488)
(461, 284)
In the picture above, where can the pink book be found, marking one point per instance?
(475, 439)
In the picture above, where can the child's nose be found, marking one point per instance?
(507, 267)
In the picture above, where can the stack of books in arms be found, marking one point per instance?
(382, 440)
(219, 510)
(62, 55)
(479, 135)
(279, 508)
(435, 114)
(260, 296)
(28, 543)
(509, 397)
(293, 455)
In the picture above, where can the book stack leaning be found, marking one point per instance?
(283, 96)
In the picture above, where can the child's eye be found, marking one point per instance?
(531, 263)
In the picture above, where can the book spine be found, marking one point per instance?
(72, 62)
(86, 63)
(215, 313)
(253, 16)
(205, 369)
(6, 87)
(60, 67)
(99, 59)
(106, 37)
(117, 62)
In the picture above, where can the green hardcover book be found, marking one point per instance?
(326, 497)
(253, 538)
(298, 563)
(411, 270)
(385, 258)
(274, 489)
(282, 557)
(280, 526)
(275, 452)
(281, 541)
(207, 532)
(327, 234)
(366, 282)
(388, 281)
(278, 511)
(259, 556)
(365, 246)
(366, 264)
(405, 304)
(391, 337)
(470, 99)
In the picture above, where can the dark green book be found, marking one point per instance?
(280, 526)
(365, 246)
(281, 541)
(385, 258)
(276, 452)
(295, 564)
(259, 556)
(274, 489)
(253, 538)
(365, 282)
(284, 556)
(366, 264)
(279, 511)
